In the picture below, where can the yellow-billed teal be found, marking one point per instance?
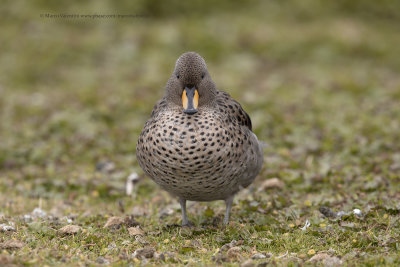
(198, 143)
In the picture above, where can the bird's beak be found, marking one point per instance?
(190, 100)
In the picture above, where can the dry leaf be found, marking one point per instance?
(234, 253)
(69, 229)
(272, 183)
(147, 252)
(326, 259)
(133, 231)
(12, 244)
(114, 222)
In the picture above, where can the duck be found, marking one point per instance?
(198, 143)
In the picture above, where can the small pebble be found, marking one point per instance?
(258, 256)
(357, 212)
(132, 179)
(38, 213)
(327, 212)
(306, 225)
(105, 167)
(167, 211)
(102, 260)
(147, 252)
(248, 263)
(6, 228)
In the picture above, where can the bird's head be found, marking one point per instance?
(190, 85)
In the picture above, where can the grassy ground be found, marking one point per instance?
(320, 81)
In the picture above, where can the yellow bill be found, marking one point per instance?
(190, 100)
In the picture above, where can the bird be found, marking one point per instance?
(198, 143)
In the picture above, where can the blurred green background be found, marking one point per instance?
(75, 90)
(320, 80)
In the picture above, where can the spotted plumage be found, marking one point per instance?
(207, 154)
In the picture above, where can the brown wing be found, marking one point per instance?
(228, 104)
(162, 103)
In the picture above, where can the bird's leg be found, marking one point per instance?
(228, 203)
(185, 221)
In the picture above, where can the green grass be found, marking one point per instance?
(320, 81)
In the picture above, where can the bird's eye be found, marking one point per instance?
(177, 76)
(202, 75)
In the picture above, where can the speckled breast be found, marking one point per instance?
(200, 157)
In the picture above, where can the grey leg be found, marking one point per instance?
(228, 203)
(185, 220)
